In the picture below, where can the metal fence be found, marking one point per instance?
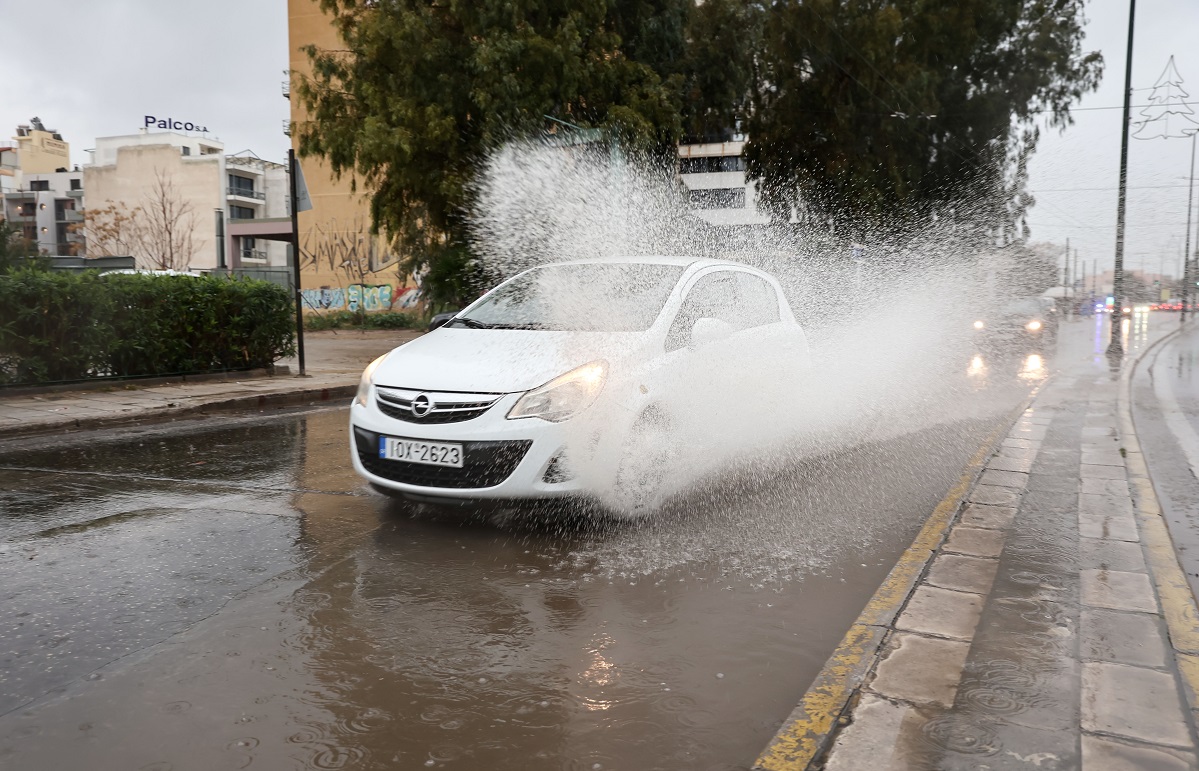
(280, 276)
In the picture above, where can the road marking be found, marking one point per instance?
(1173, 590)
(807, 729)
(1176, 419)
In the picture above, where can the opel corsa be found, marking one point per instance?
(575, 379)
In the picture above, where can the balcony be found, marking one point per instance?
(71, 215)
(287, 89)
(253, 254)
(246, 192)
(287, 128)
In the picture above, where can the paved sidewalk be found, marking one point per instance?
(334, 363)
(1051, 629)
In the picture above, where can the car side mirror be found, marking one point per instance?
(709, 330)
(441, 319)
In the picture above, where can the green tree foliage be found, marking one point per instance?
(866, 108)
(15, 250)
(719, 66)
(423, 90)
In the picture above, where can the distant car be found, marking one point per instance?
(1018, 324)
(570, 378)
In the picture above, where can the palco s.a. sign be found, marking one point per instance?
(171, 124)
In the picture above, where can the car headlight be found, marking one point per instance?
(979, 325)
(564, 396)
(364, 385)
(1033, 325)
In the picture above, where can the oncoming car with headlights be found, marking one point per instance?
(1018, 325)
(569, 378)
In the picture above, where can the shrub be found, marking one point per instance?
(354, 320)
(67, 326)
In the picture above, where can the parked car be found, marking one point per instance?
(573, 378)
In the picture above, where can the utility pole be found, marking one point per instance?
(1077, 285)
(1186, 251)
(1066, 278)
(1115, 347)
(295, 258)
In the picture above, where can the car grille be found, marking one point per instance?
(484, 464)
(443, 407)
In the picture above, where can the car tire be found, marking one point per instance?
(644, 468)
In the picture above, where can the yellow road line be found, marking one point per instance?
(807, 728)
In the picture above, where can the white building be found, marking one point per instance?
(714, 174)
(212, 193)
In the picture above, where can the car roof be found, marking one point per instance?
(684, 262)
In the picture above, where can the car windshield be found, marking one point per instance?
(1028, 308)
(609, 297)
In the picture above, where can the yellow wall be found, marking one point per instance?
(131, 181)
(338, 226)
(41, 153)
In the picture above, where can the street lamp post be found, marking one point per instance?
(1186, 251)
(1115, 347)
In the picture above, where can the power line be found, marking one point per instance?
(1093, 189)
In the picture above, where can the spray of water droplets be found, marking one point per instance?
(888, 333)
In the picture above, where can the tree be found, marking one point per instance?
(422, 91)
(109, 230)
(15, 249)
(880, 110)
(166, 226)
(159, 232)
(719, 67)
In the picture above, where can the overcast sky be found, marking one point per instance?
(220, 63)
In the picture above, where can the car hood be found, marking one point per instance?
(496, 360)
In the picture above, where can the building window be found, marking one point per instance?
(39, 185)
(719, 198)
(241, 213)
(29, 232)
(186, 150)
(28, 209)
(711, 164)
(61, 234)
(76, 184)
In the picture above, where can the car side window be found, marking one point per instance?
(714, 296)
(757, 301)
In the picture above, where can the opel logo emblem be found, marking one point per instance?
(421, 406)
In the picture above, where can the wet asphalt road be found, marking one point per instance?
(1166, 410)
(227, 594)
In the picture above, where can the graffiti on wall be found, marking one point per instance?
(370, 297)
(325, 298)
(367, 297)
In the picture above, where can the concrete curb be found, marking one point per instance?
(808, 731)
(1169, 578)
(277, 399)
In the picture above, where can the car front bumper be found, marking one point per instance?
(502, 459)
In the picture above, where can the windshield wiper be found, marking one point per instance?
(472, 323)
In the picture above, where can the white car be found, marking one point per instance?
(575, 379)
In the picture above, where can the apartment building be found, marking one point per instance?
(209, 195)
(39, 194)
(714, 175)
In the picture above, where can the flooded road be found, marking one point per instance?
(228, 594)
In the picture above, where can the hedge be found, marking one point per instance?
(354, 320)
(60, 326)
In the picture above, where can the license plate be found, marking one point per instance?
(429, 453)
